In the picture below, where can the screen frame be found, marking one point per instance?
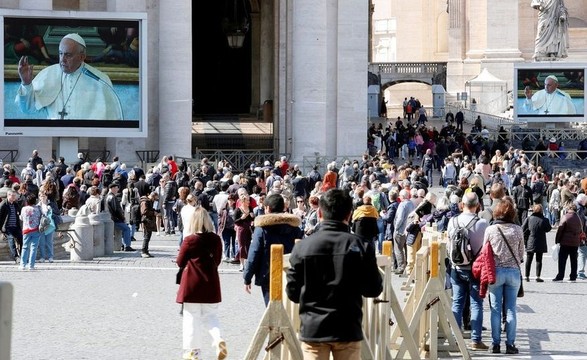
(552, 66)
(90, 128)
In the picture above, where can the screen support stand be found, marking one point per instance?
(68, 148)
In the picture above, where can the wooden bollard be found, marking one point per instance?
(275, 276)
(434, 258)
(386, 250)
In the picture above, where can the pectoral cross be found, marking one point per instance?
(63, 113)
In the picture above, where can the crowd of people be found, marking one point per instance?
(221, 214)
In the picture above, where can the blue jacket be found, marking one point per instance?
(272, 228)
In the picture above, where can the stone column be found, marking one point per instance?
(83, 239)
(329, 43)
(502, 40)
(175, 78)
(97, 234)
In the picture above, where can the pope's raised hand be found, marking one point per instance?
(25, 70)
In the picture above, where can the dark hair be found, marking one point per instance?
(336, 205)
(505, 210)
(275, 203)
(31, 199)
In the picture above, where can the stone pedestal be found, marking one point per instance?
(108, 233)
(83, 238)
(97, 234)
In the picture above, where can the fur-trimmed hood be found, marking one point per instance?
(278, 219)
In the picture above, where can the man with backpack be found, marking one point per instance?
(465, 234)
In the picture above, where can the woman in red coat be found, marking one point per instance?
(199, 288)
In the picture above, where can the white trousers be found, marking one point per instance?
(196, 319)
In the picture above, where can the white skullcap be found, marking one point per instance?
(75, 37)
(552, 77)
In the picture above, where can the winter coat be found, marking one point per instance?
(148, 217)
(271, 228)
(330, 273)
(535, 228)
(568, 232)
(365, 222)
(199, 257)
(484, 269)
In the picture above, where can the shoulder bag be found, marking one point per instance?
(521, 289)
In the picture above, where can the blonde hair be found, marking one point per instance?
(201, 221)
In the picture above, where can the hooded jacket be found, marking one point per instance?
(272, 228)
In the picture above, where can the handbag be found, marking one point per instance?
(521, 288)
(178, 276)
(556, 248)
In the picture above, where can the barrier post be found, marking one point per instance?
(276, 268)
(434, 257)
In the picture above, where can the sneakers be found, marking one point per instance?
(146, 255)
(194, 354)
(557, 279)
(41, 260)
(50, 260)
(128, 248)
(539, 280)
(479, 346)
(495, 349)
(221, 351)
(582, 276)
(511, 349)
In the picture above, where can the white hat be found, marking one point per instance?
(552, 140)
(75, 37)
(267, 163)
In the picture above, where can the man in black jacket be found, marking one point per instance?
(117, 215)
(10, 223)
(330, 272)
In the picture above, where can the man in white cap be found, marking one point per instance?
(71, 89)
(548, 101)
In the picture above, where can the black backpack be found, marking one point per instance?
(460, 252)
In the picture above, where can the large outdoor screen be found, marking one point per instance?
(53, 86)
(549, 92)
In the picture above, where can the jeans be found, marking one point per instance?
(463, 285)
(381, 235)
(14, 238)
(571, 253)
(229, 239)
(125, 232)
(169, 217)
(582, 259)
(429, 177)
(505, 290)
(265, 292)
(214, 217)
(399, 251)
(29, 249)
(46, 245)
(146, 238)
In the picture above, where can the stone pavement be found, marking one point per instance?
(123, 307)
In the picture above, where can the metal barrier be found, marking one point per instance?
(9, 155)
(239, 160)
